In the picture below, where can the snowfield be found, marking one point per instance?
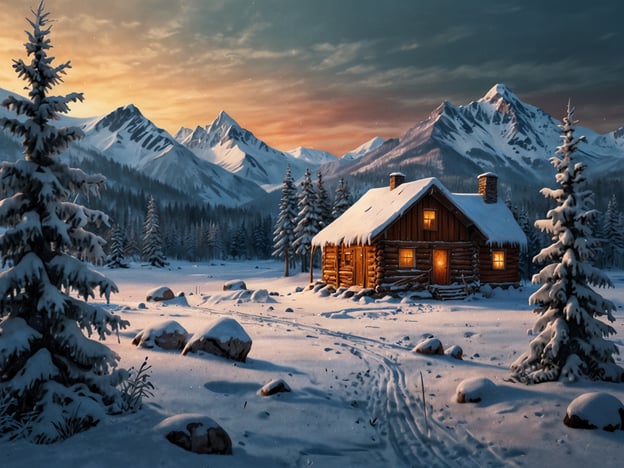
(357, 397)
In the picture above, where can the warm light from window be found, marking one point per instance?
(406, 258)
(498, 259)
(429, 220)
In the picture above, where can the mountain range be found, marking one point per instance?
(498, 133)
(224, 163)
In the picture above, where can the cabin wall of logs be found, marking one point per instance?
(469, 258)
(377, 266)
(511, 272)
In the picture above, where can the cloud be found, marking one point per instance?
(336, 55)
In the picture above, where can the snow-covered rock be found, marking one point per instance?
(234, 285)
(455, 352)
(225, 337)
(196, 433)
(474, 390)
(273, 387)
(261, 296)
(162, 293)
(595, 410)
(429, 345)
(166, 335)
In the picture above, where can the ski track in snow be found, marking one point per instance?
(396, 406)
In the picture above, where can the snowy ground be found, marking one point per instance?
(356, 395)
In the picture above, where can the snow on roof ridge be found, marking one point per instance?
(380, 207)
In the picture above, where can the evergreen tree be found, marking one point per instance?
(323, 203)
(51, 373)
(116, 259)
(284, 230)
(152, 240)
(132, 248)
(308, 221)
(612, 233)
(342, 199)
(571, 337)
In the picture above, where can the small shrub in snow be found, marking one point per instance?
(288, 309)
(137, 387)
(273, 387)
(596, 410)
(474, 390)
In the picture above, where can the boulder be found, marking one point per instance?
(430, 345)
(273, 387)
(595, 410)
(196, 433)
(455, 351)
(162, 293)
(166, 335)
(224, 337)
(234, 285)
(474, 390)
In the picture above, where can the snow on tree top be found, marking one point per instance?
(380, 207)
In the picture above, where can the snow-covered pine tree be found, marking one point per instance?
(571, 335)
(152, 240)
(613, 244)
(284, 230)
(117, 259)
(323, 203)
(342, 199)
(308, 220)
(53, 375)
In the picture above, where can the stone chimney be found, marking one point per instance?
(488, 187)
(396, 179)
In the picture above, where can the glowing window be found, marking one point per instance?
(429, 220)
(406, 258)
(498, 259)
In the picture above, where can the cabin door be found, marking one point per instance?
(360, 266)
(440, 266)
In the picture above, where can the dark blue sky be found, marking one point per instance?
(330, 74)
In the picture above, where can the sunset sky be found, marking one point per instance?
(327, 74)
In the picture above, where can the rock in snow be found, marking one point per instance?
(234, 285)
(273, 387)
(455, 352)
(196, 433)
(225, 337)
(474, 390)
(596, 410)
(429, 346)
(162, 293)
(166, 335)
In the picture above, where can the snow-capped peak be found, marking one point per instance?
(223, 120)
(312, 155)
(364, 148)
(497, 92)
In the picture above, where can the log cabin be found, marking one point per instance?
(419, 235)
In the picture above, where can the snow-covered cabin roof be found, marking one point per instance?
(380, 207)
